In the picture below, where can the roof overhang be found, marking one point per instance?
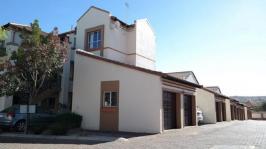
(158, 73)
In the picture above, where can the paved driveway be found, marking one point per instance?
(226, 135)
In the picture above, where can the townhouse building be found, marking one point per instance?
(110, 79)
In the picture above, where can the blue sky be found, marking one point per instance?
(223, 42)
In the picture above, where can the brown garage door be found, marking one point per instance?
(187, 110)
(169, 109)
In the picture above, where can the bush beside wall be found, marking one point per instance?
(64, 122)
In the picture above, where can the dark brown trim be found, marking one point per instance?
(224, 111)
(177, 85)
(94, 29)
(163, 75)
(194, 111)
(178, 111)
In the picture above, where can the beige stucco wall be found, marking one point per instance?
(145, 41)
(228, 109)
(140, 95)
(130, 42)
(246, 113)
(206, 102)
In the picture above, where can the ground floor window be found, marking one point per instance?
(110, 99)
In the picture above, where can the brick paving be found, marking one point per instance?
(225, 135)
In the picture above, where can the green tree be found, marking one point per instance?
(3, 34)
(38, 59)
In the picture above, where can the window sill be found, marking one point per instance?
(94, 49)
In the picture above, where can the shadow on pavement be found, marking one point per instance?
(92, 138)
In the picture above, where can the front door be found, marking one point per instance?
(109, 106)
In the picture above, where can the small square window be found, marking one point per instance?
(110, 99)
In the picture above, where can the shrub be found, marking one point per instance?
(64, 122)
(58, 129)
(38, 129)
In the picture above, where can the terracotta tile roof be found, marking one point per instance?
(122, 23)
(68, 32)
(163, 75)
(21, 27)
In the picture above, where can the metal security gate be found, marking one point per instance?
(169, 109)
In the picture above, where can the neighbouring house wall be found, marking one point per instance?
(140, 95)
(7, 101)
(246, 113)
(206, 102)
(228, 109)
(66, 83)
(63, 96)
(10, 48)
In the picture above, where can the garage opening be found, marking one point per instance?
(218, 112)
(169, 110)
(188, 116)
(224, 111)
(232, 112)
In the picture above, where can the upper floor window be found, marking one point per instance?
(94, 38)
(2, 43)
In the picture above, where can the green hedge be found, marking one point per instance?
(64, 122)
(38, 129)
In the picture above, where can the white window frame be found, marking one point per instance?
(98, 41)
(110, 99)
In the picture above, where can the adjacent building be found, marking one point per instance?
(214, 106)
(7, 47)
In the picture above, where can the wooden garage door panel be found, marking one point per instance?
(169, 108)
